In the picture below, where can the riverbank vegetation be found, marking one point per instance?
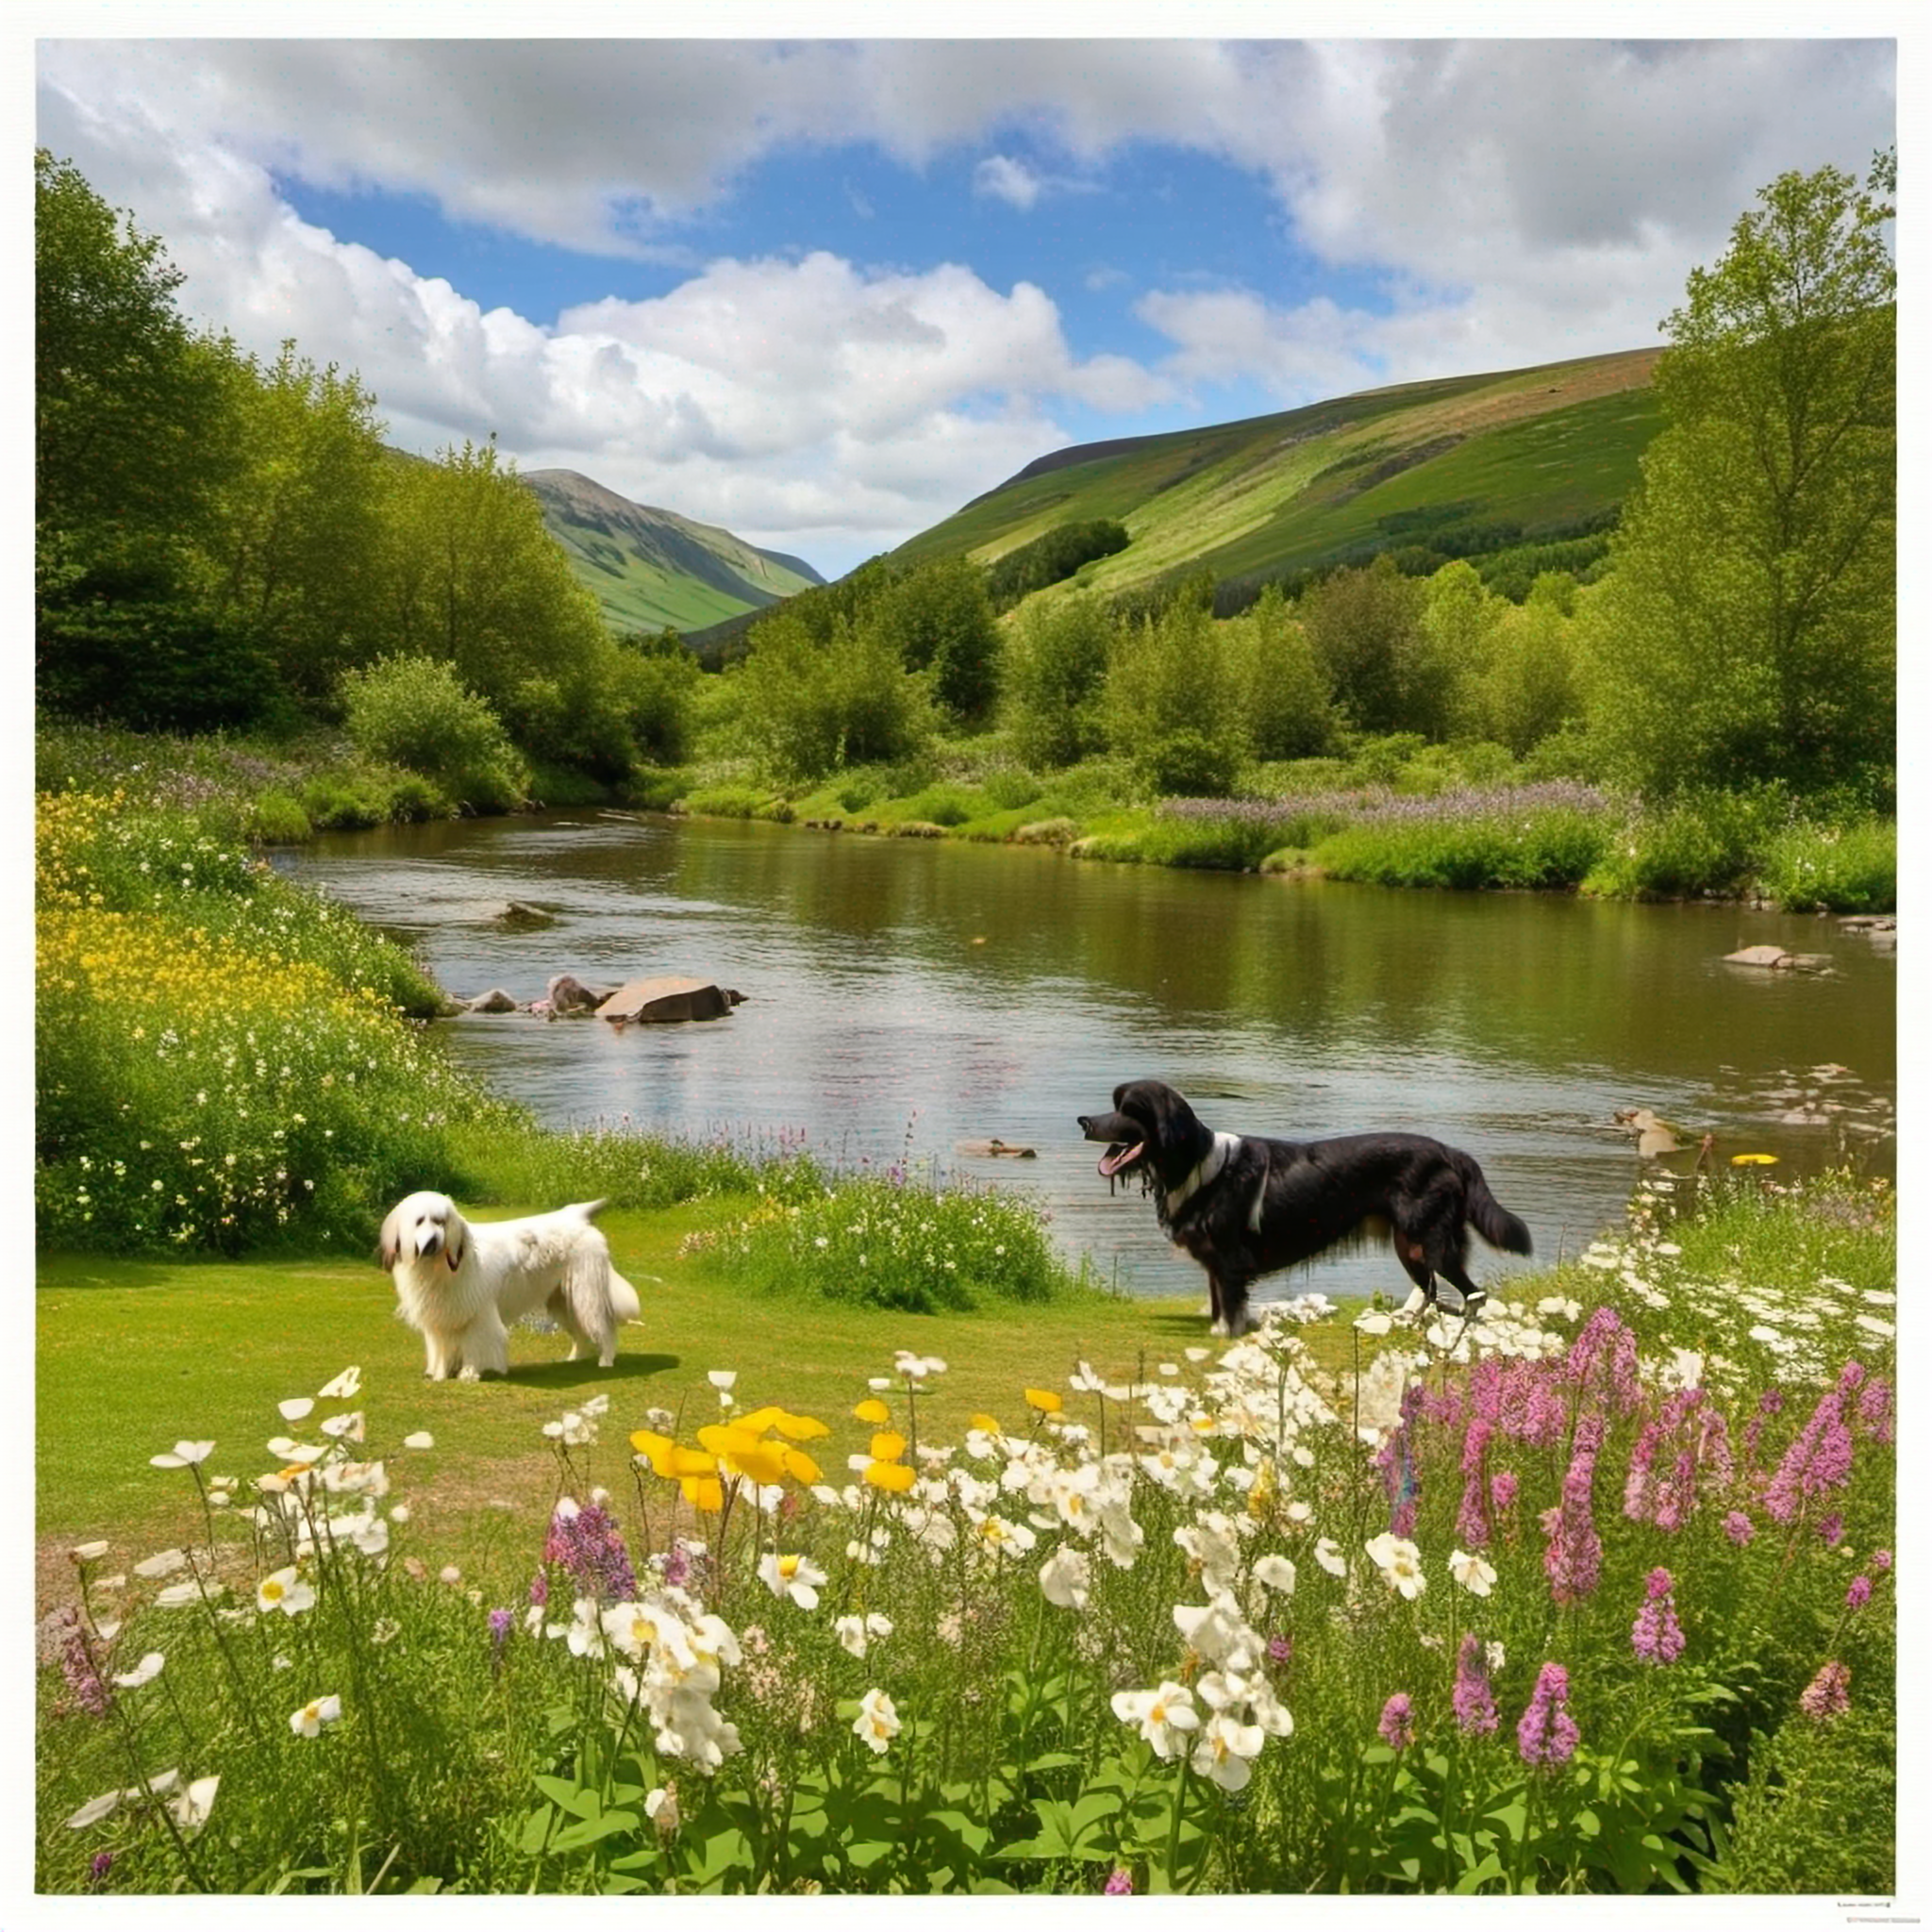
(1595, 1594)
(227, 548)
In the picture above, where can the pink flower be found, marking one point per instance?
(1547, 1734)
(1881, 1559)
(1502, 1490)
(1120, 1884)
(1859, 1594)
(1397, 1722)
(1573, 1560)
(1475, 1707)
(1739, 1527)
(1828, 1694)
(1656, 1636)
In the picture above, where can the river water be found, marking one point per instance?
(905, 994)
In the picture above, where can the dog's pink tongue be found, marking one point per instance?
(1117, 1157)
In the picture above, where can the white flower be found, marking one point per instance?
(145, 1671)
(856, 1633)
(1218, 1632)
(1162, 1714)
(95, 1810)
(721, 1379)
(342, 1428)
(1224, 1749)
(794, 1577)
(285, 1591)
(1474, 1575)
(1277, 1573)
(1064, 1578)
(178, 1596)
(163, 1563)
(184, 1457)
(1374, 1323)
(89, 1553)
(344, 1388)
(295, 1408)
(191, 1807)
(1328, 1554)
(308, 1721)
(1400, 1562)
(878, 1722)
(421, 1440)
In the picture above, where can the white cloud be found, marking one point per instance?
(1495, 202)
(1007, 180)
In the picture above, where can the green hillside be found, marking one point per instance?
(1464, 464)
(651, 569)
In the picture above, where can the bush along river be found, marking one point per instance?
(911, 999)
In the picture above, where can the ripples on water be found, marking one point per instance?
(903, 991)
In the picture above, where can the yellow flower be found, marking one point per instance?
(986, 1423)
(1753, 1160)
(896, 1477)
(873, 1410)
(889, 1446)
(1044, 1400)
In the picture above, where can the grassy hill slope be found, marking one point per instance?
(1461, 464)
(650, 568)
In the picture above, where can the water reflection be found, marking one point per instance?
(900, 988)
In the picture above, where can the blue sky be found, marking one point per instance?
(823, 292)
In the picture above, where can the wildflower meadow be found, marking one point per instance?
(1592, 1593)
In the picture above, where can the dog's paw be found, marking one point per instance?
(1473, 1304)
(1218, 1328)
(1416, 1302)
(470, 1375)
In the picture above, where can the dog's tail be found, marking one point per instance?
(624, 1298)
(589, 1209)
(1488, 1216)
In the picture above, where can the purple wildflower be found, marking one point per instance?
(1831, 1530)
(1881, 1559)
(1696, 1432)
(1656, 1636)
(1603, 1358)
(1471, 1519)
(1818, 1458)
(97, 1870)
(1502, 1490)
(589, 1545)
(1874, 1410)
(1859, 1593)
(1828, 1694)
(677, 1566)
(1120, 1883)
(1397, 1722)
(1740, 1527)
(78, 1667)
(539, 1589)
(1280, 1650)
(500, 1622)
(1573, 1560)
(1546, 1733)
(1475, 1705)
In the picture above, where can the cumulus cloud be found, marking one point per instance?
(1487, 204)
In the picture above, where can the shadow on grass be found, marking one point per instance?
(586, 1378)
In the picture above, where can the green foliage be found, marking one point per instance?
(1387, 672)
(1748, 626)
(1287, 693)
(1171, 703)
(891, 1242)
(1817, 1814)
(1530, 687)
(1853, 867)
(1053, 667)
(1051, 557)
(1493, 844)
(418, 713)
(939, 619)
(1706, 842)
(806, 708)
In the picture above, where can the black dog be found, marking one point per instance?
(1245, 1206)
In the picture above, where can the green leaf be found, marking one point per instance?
(1479, 1875)
(536, 1830)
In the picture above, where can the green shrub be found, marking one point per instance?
(276, 818)
(893, 1243)
(1707, 842)
(1850, 868)
(418, 713)
(1458, 845)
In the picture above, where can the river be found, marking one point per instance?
(912, 995)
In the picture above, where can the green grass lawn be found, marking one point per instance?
(133, 1356)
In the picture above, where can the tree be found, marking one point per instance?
(130, 433)
(1174, 702)
(940, 618)
(1747, 628)
(1287, 699)
(1054, 666)
(1367, 632)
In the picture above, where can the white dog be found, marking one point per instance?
(461, 1283)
